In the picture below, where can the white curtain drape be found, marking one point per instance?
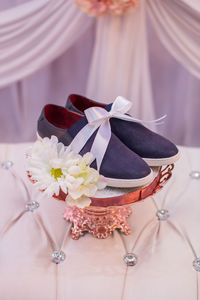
(177, 24)
(120, 63)
(33, 34)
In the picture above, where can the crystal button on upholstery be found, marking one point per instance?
(196, 264)
(32, 205)
(130, 259)
(162, 214)
(57, 256)
(195, 174)
(7, 164)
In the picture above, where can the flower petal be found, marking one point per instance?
(88, 158)
(74, 170)
(80, 202)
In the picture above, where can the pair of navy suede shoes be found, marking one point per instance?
(131, 150)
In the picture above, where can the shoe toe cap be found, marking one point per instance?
(127, 166)
(158, 147)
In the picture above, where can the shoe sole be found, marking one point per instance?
(129, 183)
(124, 183)
(157, 162)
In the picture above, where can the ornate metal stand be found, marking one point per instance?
(99, 221)
(107, 214)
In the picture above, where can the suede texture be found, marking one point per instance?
(119, 161)
(135, 136)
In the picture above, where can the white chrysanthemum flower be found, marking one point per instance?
(54, 167)
(89, 179)
(45, 160)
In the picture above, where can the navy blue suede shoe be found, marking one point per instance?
(152, 147)
(121, 166)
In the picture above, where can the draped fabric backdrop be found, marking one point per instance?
(151, 55)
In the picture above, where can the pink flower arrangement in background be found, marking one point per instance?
(101, 7)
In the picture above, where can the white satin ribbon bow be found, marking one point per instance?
(99, 117)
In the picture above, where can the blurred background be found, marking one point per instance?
(98, 63)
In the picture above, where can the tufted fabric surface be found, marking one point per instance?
(94, 269)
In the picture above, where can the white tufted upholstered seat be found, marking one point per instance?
(92, 268)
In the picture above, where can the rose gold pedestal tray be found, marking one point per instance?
(104, 215)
